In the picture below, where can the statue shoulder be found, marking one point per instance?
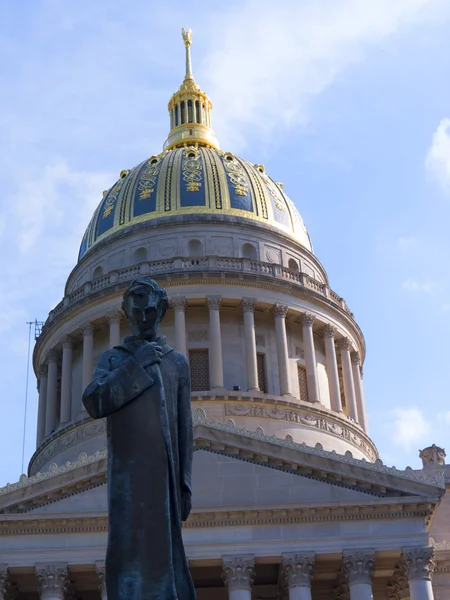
(112, 354)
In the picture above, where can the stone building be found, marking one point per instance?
(290, 498)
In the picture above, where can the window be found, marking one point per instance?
(249, 251)
(98, 272)
(195, 248)
(183, 112)
(199, 365)
(140, 255)
(190, 112)
(176, 115)
(293, 264)
(197, 112)
(303, 383)
(261, 364)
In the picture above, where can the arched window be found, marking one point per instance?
(195, 248)
(98, 272)
(177, 108)
(197, 112)
(293, 264)
(249, 251)
(190, 112)
(140, 255)
(183, 112)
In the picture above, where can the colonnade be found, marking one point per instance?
(49, 417)
(412, 577)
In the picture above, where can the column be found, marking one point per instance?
(114, 329)
(358, 568)
(42, 387)
(179, 307)
(52, 581)
(51, 418)
(215, 343)
(88, 355)
(307, 321)
(279, 313)
(332, 370)
(349, 388)
(418, 564)
(101, 581)
(66, 380)
(248, 308)
(297, 572)
(359, 390)
(238, 572)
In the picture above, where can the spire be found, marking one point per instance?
(190, 109)
(187, 37)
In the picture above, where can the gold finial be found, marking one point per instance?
(187, 38)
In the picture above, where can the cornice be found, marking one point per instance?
(388, 509)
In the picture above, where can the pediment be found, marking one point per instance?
(322, 476)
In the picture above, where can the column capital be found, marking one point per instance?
(43, 370)
(307, 319)
(418, 563)
(359, 565)
(279, 311)
(238, 571)
(214, 302)
(178, 303)
(344, 344)
(297, 569)
(248, 305)
(5, 584)
(67, 342)
(52, 356)
(329, 331)
(52, 579)
(87, 329)
(115, 317)
(356, 358)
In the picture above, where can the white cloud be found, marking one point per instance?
(414, 285)
(437, 161)
(270, 60)
(408, 427)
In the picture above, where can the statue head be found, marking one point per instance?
(145, 304)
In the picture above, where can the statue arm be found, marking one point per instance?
(116, 382)
(185, 430)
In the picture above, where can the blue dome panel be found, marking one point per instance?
(108, 208)
(192, 185)
(238, 184)
(145, 192)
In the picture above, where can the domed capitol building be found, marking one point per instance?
(290, 499)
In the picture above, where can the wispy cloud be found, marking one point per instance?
(437, 161)
(271, 60)
(408, 427)
(415, 285)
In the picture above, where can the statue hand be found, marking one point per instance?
(186, 503)
(148, 354)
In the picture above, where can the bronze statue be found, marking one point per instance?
(143, 388)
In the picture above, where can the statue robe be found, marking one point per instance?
(150, 447)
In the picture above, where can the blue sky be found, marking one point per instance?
(346, 102)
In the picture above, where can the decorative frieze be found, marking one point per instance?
(52, 580)
(297, 569)
(260, 411)
(418, 563)
(238, 572)
(358, 566)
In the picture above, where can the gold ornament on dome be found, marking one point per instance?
(149, 175)
(236, 174)
(192, 169)
(112, 197)
(273, 189)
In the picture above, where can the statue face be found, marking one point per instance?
(143, 310)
